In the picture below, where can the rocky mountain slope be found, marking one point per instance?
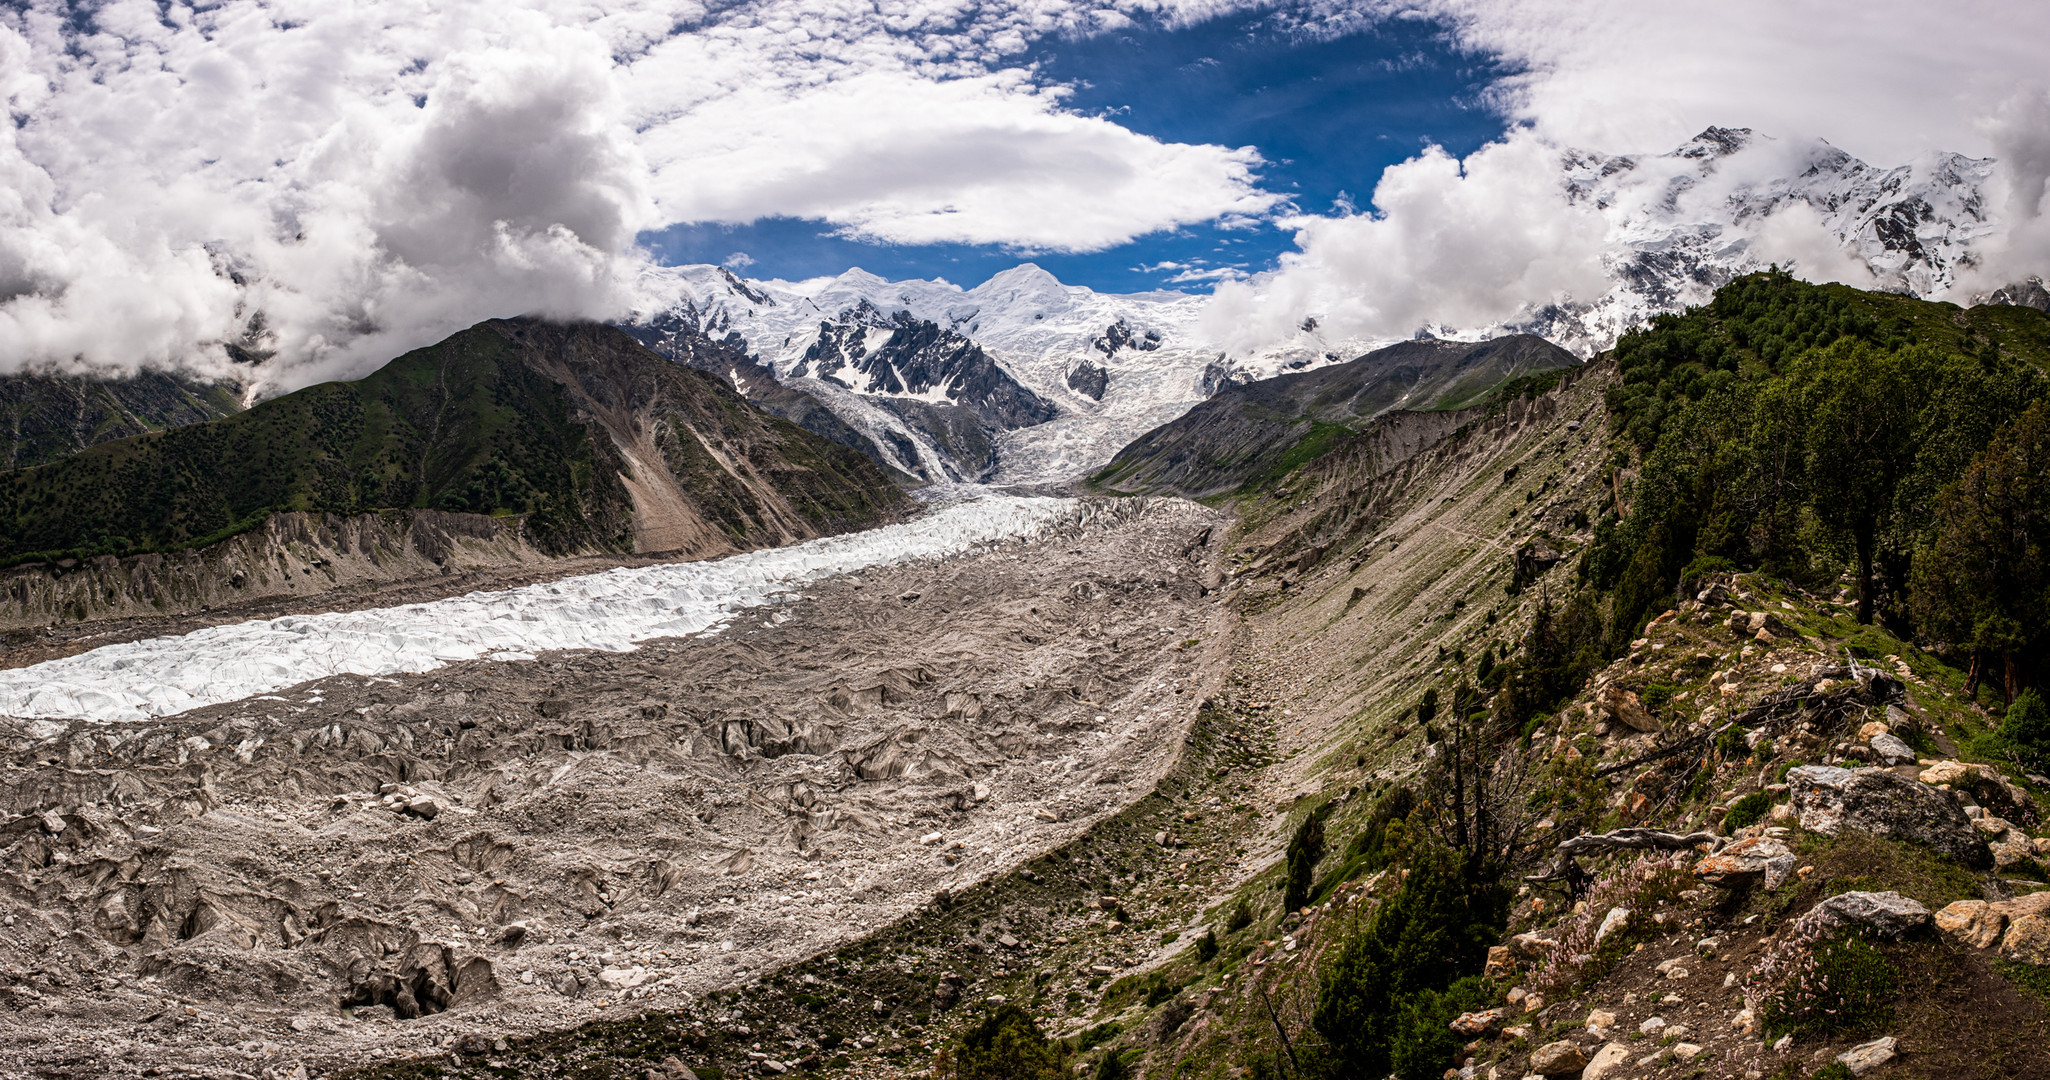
(601, 444)
(1450, 812)
(46, 417)
(1261, 430)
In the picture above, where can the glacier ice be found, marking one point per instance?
(612, 610)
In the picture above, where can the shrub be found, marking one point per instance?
(1423, 1039)
(1637, 887)
(1241, 917)
(1304, 849)
(2024, 734)
(1434, 931)
(1698, 570)
(1749, 810)
(1839, 986)
(1206, 946)
(1004, 1045)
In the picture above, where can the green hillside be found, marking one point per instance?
(1812, 430)
(508, 417)
(47, 417)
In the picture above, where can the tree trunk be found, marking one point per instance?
(1972, 676)
(2011, 678)
(1866, 540)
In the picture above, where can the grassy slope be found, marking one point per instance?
(1249, 438)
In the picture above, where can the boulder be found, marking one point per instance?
(1983, 782)
(1748, 860)
(1610, 1061)
(1501, 964)
(1474, 1024)
(1972, 922)
(1752, 623)
(1625, 708)
(2012, 847)
(1891, 750)
(1610, 923)
(1528, 947)
(1866, 1057)
(1558, 1059)
(2027, 940)
(1884, 803)
(1889, 913)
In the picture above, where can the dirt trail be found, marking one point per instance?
(232, 891)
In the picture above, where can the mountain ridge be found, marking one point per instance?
(603, 445)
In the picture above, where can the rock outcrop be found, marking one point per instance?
(1884, 803)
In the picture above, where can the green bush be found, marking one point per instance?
(1304, 850)
(1423, 1039)
(1432, 933)
(2024, 734)
(1005, 1045)
(1240, 918)
(1749, 810)
(1206, 946)
(1842, 986)
(1695, 572)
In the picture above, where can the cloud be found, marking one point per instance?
(208, 179)
(1885, 79)
(1448, 243)
(336, 183)
(894, 157)
(1477, 244)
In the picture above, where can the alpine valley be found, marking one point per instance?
(851, 679)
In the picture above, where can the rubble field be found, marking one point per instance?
(361, 868)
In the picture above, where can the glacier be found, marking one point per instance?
(613, 611)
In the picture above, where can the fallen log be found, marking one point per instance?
(1639, 839)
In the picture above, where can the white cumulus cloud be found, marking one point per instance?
(336, 183)
(1447, 242)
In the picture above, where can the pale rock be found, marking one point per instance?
(1558, 1059)
(1889, 913)
(1602, 1019)
(1477, 1023)
(1871, 728)
(1686, 1051)
(1609, 1061)
(1652, 1025)
(1866, 1057)
(2027, 940)
(1892, 750)
(1972, 922)
(1610, 922)
(2012, 848)
(1747, 860)
(1625, 706)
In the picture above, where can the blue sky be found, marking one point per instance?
(1327, 114)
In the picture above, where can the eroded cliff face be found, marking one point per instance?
(295, 556)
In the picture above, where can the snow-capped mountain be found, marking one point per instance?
(1023, 379)
(1056, 377)
(1731, 201)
